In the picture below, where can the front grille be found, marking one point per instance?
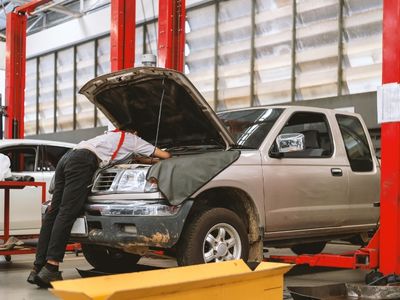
(104, 181)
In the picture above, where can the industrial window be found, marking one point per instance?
(317, 135)
(151, 38)
(30, 97)
(356, 143)
(273, 44)
(103, 56)
(362, 46)
(139, 45)
(65, 89)
(333, 54)
(234, 54)
(23, 159)
(46, 93)
(103, 66)
(199, 52)
(317, 36)
(84, 72)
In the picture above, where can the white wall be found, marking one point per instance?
(69, 33)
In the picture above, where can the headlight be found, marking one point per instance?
(134, 180)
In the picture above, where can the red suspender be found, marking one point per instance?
(121, 141)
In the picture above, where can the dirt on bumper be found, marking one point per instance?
(146, 231)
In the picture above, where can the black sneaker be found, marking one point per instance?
(32, 277)
(45, 277)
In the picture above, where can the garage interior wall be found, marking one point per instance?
(238, 54)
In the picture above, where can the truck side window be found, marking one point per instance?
(317, 136)
(356, 143)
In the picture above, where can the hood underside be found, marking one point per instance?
(133, 98)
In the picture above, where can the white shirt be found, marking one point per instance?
(105, 145)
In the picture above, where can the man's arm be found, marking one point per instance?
(161, 153)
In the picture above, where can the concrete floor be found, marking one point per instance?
(13, 275)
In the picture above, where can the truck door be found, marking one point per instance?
(306, 189)
(364, 183)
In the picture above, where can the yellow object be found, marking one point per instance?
(227, 280)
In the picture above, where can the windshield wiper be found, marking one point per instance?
(195, 147)
(236, 146)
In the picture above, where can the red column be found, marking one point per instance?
(390, 141)
(15, 74)
(171, 34)
(123, 17)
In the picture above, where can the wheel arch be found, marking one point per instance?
(239, 202)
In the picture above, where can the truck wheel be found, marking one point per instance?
(361, 239)
(311, 248)
(214, 235)
(108, 259)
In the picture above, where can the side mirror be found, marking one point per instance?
(290, 142)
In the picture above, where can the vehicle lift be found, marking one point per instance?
(171, 44)
(383, 251)
(382, 254)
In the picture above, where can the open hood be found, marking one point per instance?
(131, 99)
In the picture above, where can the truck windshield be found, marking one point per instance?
(250, 127)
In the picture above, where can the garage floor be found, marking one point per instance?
(13, 275)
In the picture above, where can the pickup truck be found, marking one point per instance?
(303, 176)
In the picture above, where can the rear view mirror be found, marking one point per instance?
(290, 142)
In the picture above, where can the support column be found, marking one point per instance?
(123, 27)
(15, 74)
(390, 141)
(171, 34)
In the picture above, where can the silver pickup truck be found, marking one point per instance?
(304, 176)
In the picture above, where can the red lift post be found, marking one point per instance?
(15, 67)
(122, 34)
(389, 261)
(171, 34)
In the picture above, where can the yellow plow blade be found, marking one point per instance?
(227, 280)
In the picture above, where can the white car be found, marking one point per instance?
(36, 158)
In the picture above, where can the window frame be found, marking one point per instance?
(370, 146)
(15, 147)
(305, 157)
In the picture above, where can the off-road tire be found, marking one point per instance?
(310, 248)
(190, 247)
(109, 260)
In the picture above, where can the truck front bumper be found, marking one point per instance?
(129, 226)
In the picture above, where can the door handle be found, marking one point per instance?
(336, 172)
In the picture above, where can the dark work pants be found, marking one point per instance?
(73, 175)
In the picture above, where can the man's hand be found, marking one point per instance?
(161, 154)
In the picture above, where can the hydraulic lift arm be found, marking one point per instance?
(15, 67)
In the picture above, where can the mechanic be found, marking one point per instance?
(73, 175)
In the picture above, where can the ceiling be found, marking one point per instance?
(50, 14)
